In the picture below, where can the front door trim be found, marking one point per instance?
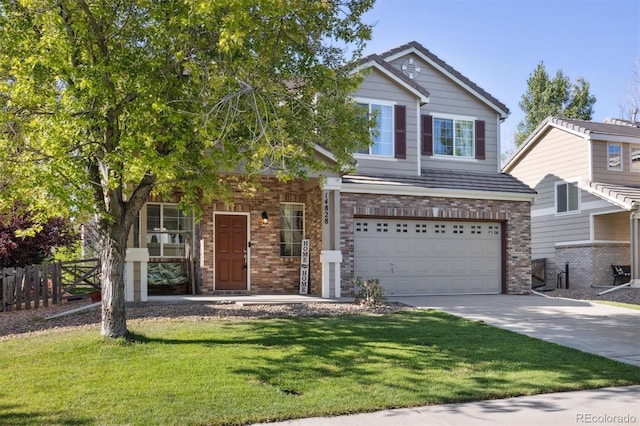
(213, 231)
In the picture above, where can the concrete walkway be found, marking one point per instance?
(244, 300)
(606, 330)
(598, 406)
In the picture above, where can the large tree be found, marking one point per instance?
(556, 97)
(104, 101)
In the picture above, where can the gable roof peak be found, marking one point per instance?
(378, 62)
(610, 130)
(448, 70)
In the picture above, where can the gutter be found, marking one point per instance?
(400, 189)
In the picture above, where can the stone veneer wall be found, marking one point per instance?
(516, 215)
(590, 264)
(269, 273)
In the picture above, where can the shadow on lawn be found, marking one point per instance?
(434, 356)
(11, 414)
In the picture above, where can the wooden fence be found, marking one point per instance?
(38, 285)
(538, 273)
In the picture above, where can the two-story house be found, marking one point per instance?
(587, 210)
(427, 211)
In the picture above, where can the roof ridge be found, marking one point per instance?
(448, 68)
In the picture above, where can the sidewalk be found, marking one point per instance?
(609, 406)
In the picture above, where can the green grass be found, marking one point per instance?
(223, 372)
(619, 304)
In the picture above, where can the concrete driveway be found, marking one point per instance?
(600, 329)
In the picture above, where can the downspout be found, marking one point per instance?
(499, 140)
(634, 229)
(418, 137)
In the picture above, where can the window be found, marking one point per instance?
(291, 229)
(614, 156)
(167, 229)
(567, 197)
(453, 137)
(382, 134)
(635, 158)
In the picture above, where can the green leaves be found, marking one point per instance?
(553, 97)
(103, 102)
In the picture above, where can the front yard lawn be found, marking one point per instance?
(232, 372)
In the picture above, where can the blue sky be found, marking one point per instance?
(498, 43)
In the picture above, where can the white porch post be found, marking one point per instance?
(331, 256)
(136, 261)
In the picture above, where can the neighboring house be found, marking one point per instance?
(427, 212)
(586, 213)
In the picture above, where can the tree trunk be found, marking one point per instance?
(113, 249)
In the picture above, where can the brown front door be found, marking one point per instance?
(231, 246)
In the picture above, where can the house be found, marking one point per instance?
(586, 213)
(427, 210)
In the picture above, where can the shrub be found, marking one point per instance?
(26, 240)
(369, 292)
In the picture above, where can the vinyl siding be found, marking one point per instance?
(611, 227)
(565, 154)
(602, 174)
(447, 97)
(541, 168)
(547, 230)
(378, 87)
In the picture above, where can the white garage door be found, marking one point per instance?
(429, 257)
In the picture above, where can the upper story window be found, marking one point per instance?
(453, 137)
(634, 155)
(291, 229)
(167, 230)
(614, 156)
(567, 197)
(382, 134)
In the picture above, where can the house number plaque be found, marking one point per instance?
(304, 268)
(325, 212)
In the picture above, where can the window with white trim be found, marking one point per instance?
(634, 155)
(291, 229)
(453, 137)
(567, 197)
(167, 230)
(614, 156)
(382, 134)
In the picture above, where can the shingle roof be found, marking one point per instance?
(448, 179)
(625, 196)
(612, 128)
(448, 68)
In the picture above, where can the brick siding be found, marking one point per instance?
(269, 272)
(590, 264)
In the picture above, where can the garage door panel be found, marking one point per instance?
(430, 257)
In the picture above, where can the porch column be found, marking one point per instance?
(331, 256)
(135, 270)
(635, 246)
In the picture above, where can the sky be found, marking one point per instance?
(497, 44)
